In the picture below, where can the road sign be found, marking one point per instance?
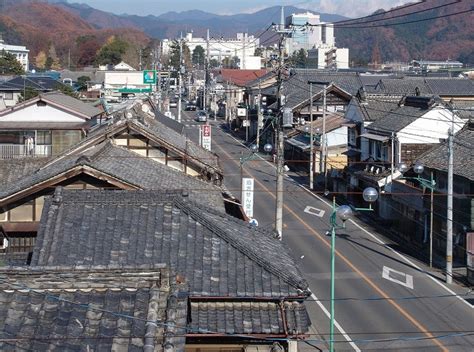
(241, 112)
(206, 137)
(247, 196)
(149, 77)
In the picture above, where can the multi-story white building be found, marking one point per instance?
(21, 52)
(319, 34)
(317, 38)
(243, 47)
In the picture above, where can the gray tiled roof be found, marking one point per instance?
(176, 126)
(402, 87)
(397, 119)
(373, 110)
(348, 81)
(80, 309)
(124, 165)
(38, 83)
(451, 86)
(296, 87)
(13, 169)
(217, 255)
(463, 157)
(155, 130)
(257, 317)
(72, 103)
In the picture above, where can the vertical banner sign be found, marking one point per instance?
(247, 196)
(206, 137)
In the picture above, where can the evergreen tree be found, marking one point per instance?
(199, 55)
(27, 94)
(9, 64)
(111, 53)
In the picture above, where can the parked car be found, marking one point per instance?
(173, 104)
(201, 116)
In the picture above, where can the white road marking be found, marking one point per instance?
(336, 324)
(408, 278)
(394, 251)
(314, 211)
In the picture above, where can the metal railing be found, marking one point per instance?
(12, 151)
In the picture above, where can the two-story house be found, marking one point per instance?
(393, 133)
(45, 125)
(417, 205)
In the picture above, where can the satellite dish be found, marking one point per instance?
(253, 222)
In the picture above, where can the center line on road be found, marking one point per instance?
(395, 252)
(407, 315)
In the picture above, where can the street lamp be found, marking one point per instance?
(344, 213)
(430, 184)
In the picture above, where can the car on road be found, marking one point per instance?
(190, 107)
(201, 116)
(173, 104)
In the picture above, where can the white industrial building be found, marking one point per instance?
(20, 52)
(243, 47)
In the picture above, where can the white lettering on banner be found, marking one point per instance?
(206, 137)
(247, 196)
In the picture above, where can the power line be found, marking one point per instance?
(401, 15)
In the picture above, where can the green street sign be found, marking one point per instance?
(149, 77)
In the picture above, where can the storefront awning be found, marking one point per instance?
(375, 137)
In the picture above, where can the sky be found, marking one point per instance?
(349, 8)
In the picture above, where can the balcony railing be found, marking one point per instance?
(12, 151)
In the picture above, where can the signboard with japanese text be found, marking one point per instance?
(149, 77)
(206, 137)
(241, 112)
(247, 196)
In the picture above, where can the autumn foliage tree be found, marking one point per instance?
(87, 49)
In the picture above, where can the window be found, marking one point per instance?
(7, 95)
(43, 138)
(3, 215)
(39, 202)
(22, 213)
(175, 162)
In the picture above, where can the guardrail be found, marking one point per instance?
(12, 151)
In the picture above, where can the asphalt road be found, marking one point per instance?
(385, 300)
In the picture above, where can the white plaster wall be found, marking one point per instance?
(122, 78)
(36, 113)
(430, 128)
(337, 136)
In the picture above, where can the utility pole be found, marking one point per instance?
(180, 77)
(311, 142)
(259, 114)
(283, 32)
(449, 215)
(140, 58)
(206, 63)
(243, 50)
(158, 73)
(324, 139)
